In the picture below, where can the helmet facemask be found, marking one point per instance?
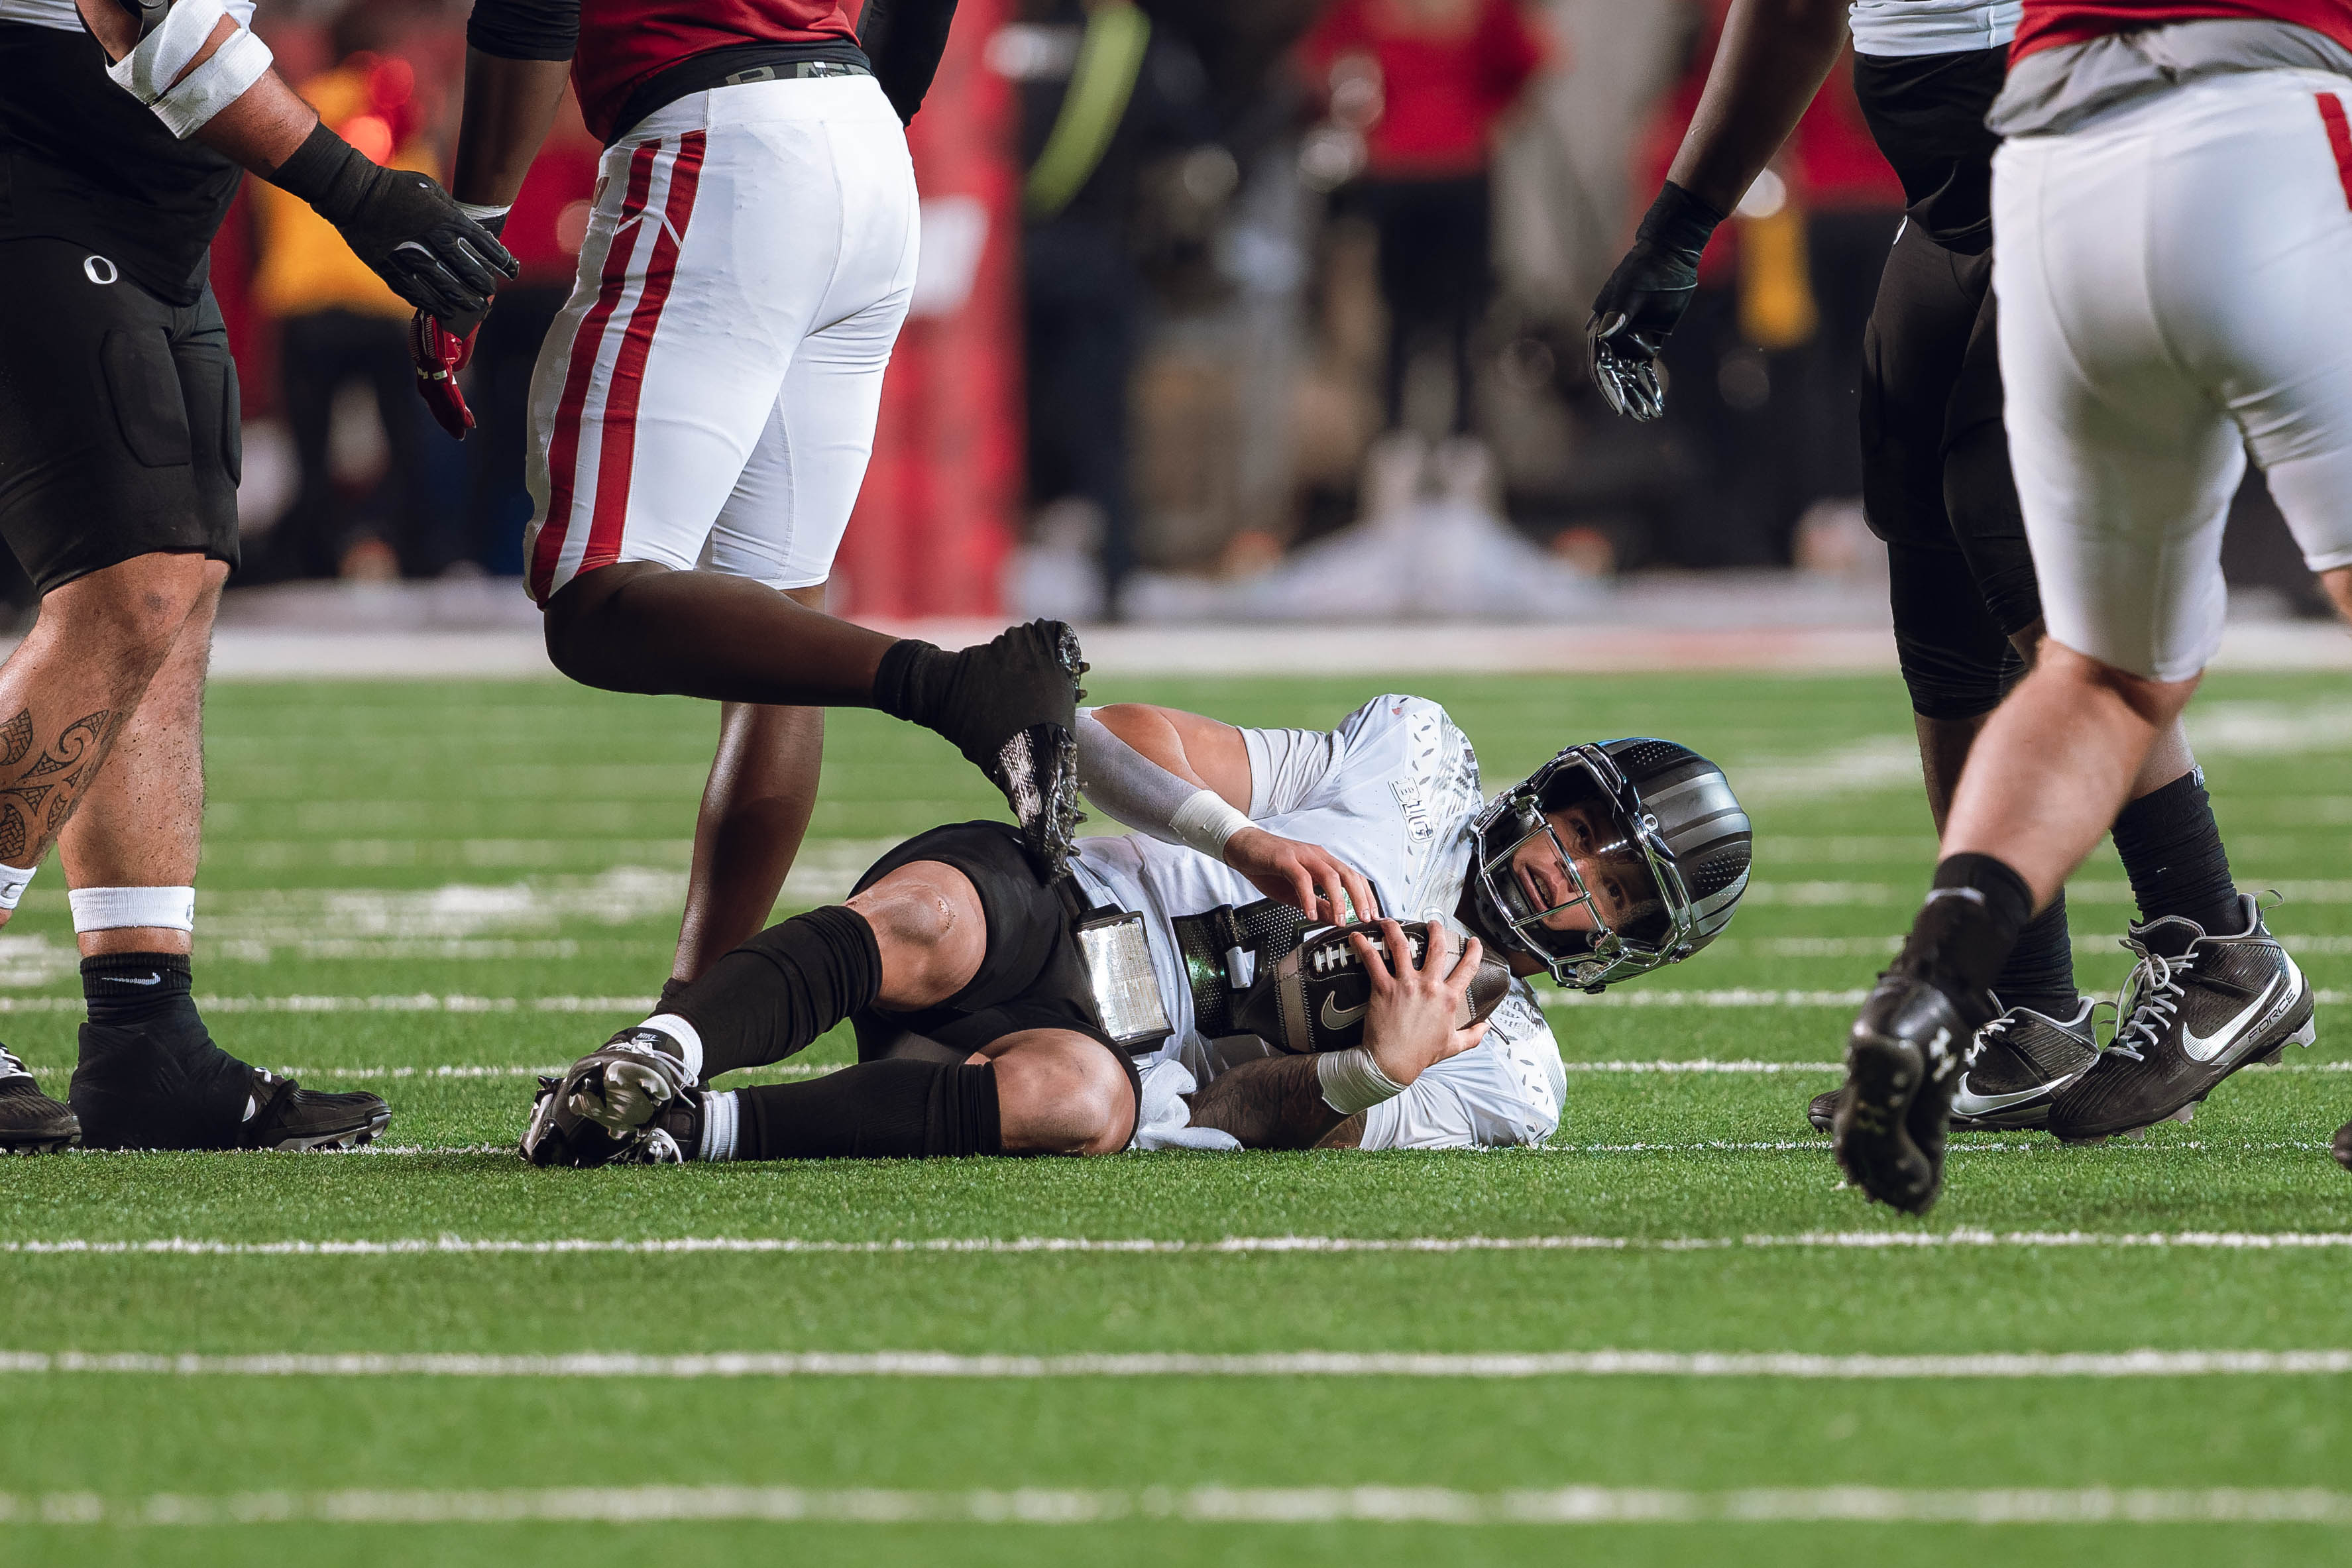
(1569, 871)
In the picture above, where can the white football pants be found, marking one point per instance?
(707, 395)
(2174, 282)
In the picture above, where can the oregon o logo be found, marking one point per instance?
(98, 270)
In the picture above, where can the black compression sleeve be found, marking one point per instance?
(904, 38)
(525, 30)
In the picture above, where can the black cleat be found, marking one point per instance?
(30, 1122)
(2196, 1009)
(282, 1114)
(1011, 706)
(1902, 1059)
(2015, 1065)
(558, 1135)
(605, 1100)
(2344, 1145)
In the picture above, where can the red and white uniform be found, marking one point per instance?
(2171, 274)
(707, 395)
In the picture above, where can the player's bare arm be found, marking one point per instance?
(208, 79)
(1299, 1102)
(1211, 757)
(1773, 58)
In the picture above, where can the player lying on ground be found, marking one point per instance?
(1937, 487)
(989, 1021)
(122, 129)
(2171, 213)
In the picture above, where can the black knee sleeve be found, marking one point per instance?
(1955, 660)
(1980, 494)
(882, 1110)
(781, 990)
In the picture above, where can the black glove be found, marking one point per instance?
(404, 226)
(1638, 308)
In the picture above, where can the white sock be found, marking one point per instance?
(688, 1039)
(720, 1116)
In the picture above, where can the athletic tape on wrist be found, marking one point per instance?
(720, 1117)
(1205, 822)
(11, 885)
(688, 1039)
(482, 214)
(116, 909)
(212, 86)
(1354, 1081)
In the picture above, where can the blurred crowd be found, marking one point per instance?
(1284, 264)
(1288, 267)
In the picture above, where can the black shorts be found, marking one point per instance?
(118, 417)
(1030, 976)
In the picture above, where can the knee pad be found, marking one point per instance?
(1956, 662)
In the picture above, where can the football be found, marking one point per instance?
(1314, 998)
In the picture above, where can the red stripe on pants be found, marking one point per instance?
(2340, 138)
(617, 461)
(563, 441)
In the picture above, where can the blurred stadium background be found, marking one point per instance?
(1205, 285)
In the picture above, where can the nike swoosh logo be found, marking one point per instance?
(2206, 1048)
(128, 980)
(1967, 1102)
(1336, 1018)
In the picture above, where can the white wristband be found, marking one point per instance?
(1205, 821)
(481, 213)
(1354, 1081)
(11, 885)
(116, 909)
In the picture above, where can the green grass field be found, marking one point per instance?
(432, 889)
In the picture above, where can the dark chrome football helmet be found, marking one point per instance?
(1611, 860)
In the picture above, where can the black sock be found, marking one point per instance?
(883, 1109)
(785, 987)
(150, 1076)
(911, 680)
(2040, 971)
(2171, 850)
(1970, 920)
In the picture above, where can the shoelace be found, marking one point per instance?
(10, 1067)
(2156, 997)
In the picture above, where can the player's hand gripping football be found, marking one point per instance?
(438, 354)
(1306, 877)
(1409, 1028)
(1638, 308)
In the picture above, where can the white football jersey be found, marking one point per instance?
(1392, 792)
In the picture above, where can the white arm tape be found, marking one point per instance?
(1205, 822)
(212, 86)
(1354, 1081)
(11, 885)
(151, 73)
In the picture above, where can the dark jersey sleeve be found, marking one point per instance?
(525, 30)
(904, 39)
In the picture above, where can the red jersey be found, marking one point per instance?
(2047, 24)
(624, 42)
(1441, 91)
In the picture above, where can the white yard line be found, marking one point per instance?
(1497, 1365)
(1556, 1506)
(1232, 1245)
